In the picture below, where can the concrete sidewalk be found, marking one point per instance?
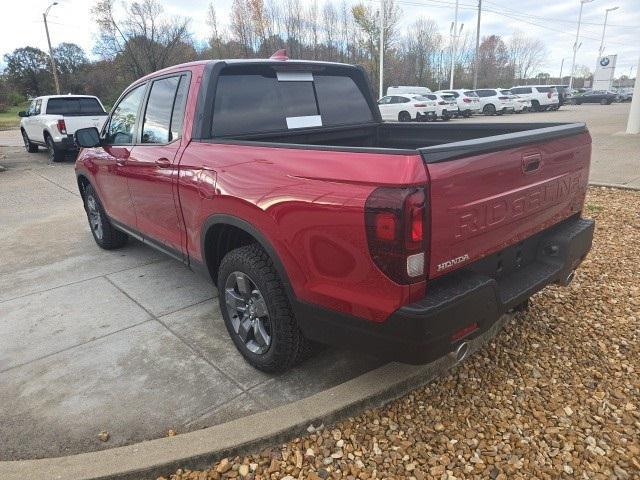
(128, 341)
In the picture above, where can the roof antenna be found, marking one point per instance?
(280, 55)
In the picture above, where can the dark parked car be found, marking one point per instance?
(564, 94)
(596, 96)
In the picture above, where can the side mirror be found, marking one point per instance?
(88, 137)
(23, 114)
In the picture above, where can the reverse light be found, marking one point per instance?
(62, 127)
(397, 226)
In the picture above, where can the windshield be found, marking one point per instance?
(74, 106)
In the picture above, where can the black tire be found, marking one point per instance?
(287, 346)
(489, 109)
(404, 116)
(446, 117)
(466, 114)
(29, 146)
(104, 233)
(535, 106)
(55, 154)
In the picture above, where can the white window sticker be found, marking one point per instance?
(302, 122)
(295, 76)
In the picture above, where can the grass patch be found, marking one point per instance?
(593, 208)
(10, 118)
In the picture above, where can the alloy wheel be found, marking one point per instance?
(248, 312)
(95, 220)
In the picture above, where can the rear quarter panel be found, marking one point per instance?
(309, 204)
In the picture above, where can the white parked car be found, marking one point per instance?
(493, 102)
(542, 97)
(406, 89)
(520, 104)
(467, 101)
(51, 121)
(446, 106)
(404, 108)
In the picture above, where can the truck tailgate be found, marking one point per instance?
(483, 202)
(75, 122)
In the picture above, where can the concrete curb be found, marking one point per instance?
(195, 450)
(614, 185)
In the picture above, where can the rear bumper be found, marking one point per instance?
(423, 331)
(66, 143)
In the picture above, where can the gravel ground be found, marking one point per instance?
(555, 395)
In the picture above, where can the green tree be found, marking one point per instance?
(28, 70)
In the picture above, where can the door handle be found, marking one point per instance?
(163, 162)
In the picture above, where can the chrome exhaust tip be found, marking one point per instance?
(460, 353)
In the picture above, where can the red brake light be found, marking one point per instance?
(503, 98)
(62, 128)
(396, 226)
(463, 332)
(466, 100)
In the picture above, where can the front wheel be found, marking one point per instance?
(104, 233)
(257, 313)
(29, 146)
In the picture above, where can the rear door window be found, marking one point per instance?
(543, 89)
(258, 102)
(157, 116)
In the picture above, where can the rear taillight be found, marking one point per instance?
(419, 104)
(549, 95)
(503, 98)
(397, 226)
(62, 128)
(466, 100)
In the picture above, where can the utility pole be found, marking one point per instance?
(53, 62)
(476, 63)
(561, 67)
(381, 74)
(454, 33)
(575, 44)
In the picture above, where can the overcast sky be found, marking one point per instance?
(552, 21)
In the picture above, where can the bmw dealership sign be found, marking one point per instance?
(603, 76)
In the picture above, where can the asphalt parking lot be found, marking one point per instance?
(131, 342)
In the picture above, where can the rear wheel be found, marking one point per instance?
(466, 114)
(29, 146)
(104, 233)
(404, 117)
(603, 101)
(489, 109)
(55, 154)
(535, 105)
(257, 313)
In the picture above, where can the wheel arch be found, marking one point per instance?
(222, 233)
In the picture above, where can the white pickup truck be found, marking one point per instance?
(52, 121)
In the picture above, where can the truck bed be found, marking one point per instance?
(435, 142)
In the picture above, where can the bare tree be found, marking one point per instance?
(143, 38)
(525, 54)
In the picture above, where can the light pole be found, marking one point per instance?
(53, 62)
(575, 45)
(381, 48)
(604, 29)
(476, 60)
(561, 68)
(454, 37)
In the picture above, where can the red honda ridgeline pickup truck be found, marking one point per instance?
(320, 223)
